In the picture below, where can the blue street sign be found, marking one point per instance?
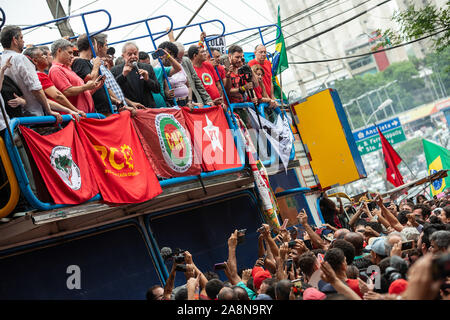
(372, 130)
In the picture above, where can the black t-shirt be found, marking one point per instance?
(82, 68)
(135, 88)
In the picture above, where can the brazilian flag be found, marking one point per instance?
(438, 158)
(279, 60)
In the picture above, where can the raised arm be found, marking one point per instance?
(388, 215)
(231, 262)
(328, 275)
(271, 243)
(315, 238)
(168, 288)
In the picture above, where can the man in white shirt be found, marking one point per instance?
(23, 73)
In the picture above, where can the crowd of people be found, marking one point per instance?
(65, 78)
(372, 250)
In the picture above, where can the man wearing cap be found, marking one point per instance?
(259, 275)
(377, 249)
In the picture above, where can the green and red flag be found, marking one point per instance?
(166, 142)
(117, 159)
(61, 160)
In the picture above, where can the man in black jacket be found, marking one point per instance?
(136, 79)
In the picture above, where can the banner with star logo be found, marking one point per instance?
(120, 166)
(212, 138)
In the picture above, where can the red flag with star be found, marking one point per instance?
(212, 138)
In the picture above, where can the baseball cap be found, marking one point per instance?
(398, 286)
(255, 270)
(377, 246)
(263, 296)
(313, 294)
(260, 277)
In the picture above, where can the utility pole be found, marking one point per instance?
(58, 12)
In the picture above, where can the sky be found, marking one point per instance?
(235, 14)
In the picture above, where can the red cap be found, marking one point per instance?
(255, 270)
(260, 277)
(398, 286)
(313, 294)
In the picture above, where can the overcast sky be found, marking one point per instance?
(235, 14)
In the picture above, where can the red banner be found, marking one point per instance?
(117, 159)
(61, 159)
(167, 142)
(212, 138)
(392, 160)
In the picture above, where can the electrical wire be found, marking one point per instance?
(336, 26)
(284, 20)
(369, 53)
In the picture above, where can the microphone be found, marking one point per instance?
(166, 253)
(135, 65)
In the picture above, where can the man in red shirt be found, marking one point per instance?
(206, 73)
(235, 85)
(261, 59)
(68, 82)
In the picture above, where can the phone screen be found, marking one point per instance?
(219, 266)
(226, 62)
(407, 245)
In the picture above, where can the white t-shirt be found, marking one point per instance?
(23, 73)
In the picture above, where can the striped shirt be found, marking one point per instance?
(111, 83)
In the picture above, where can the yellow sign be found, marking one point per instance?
(323, 134)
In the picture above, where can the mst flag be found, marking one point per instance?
(166, 141)
(212, 138)
(61, 159)
(438, 158)
(392, 160)
(117, 159)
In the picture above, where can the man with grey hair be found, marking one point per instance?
(23, 73)
(137, 80)
(440, 241)
(68, 82)
(101, 49)
(411, 234)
